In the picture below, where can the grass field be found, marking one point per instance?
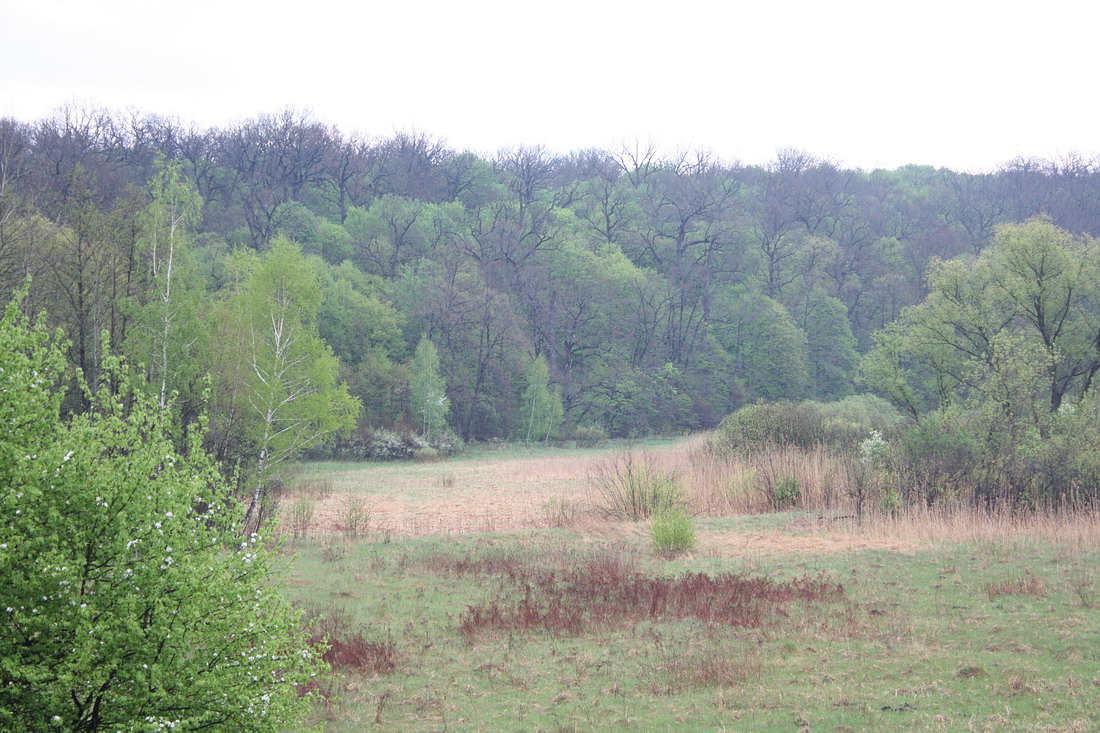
(488, 618)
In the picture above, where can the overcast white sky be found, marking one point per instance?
(961, 84)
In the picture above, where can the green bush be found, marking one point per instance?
(839, 425)
(868, 411)
(785, 493)
(774, 423)
(120, 561)
(937, 457)
(673, 532)
(589, 436)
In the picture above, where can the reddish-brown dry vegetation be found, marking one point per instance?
(606, 592)
(347, 646)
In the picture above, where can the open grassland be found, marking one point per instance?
(494, 619)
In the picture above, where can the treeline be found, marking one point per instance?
(615, 290)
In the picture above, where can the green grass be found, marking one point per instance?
(918, 643)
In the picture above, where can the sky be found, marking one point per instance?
(967, 84)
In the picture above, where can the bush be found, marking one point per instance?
(936, 457)
(589, 436)
(301, 516)
(775, 423)
(386, 445)
(673, 532)
(838, 425)
(356, 514)
(868, 411)
(119, 558)
(634, 488)
(785, 493)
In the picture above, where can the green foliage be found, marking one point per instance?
(128, 602)
(277, 374)
(168, 332)
(673, 532)
(785, 494)
(541, 401)
(831, 354)
(937, 457)
(637, 402)
(589, 436)
(869, 411)
(355, 319)
(997, 347)
(768, 348)
(427, 391)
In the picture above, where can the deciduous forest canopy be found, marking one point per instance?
(653, 294)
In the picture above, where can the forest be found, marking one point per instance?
(199, 319)
(308, 291)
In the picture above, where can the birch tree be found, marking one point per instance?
(284, 375)
(427, 391)
(171, 327)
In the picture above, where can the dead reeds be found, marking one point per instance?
(751, 480)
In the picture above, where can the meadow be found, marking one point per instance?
(495, 591)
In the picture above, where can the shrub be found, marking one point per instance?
(559, 511)
(870, 412)
(839, 425)
(775, 423)
(301, 516)
(386, 445)
(356, 514)
(589, 436)
(634, 488)
(785, 493)
(936, 457)
(673, 532)
(119, 557)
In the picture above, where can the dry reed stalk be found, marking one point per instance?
(741, 483)
(1078, 530)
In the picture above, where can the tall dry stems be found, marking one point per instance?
(356, 514)
(301, 516)
(633, 486)
(746, 481)
(1077, 530)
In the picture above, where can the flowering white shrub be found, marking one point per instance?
(122, 607)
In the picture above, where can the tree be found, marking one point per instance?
(279, 371)
(1003, 351)
(175, 210)
(1036, 285)
(128, 601)
(832, 357)
(427, 392)
(768, 348)
(541, 402)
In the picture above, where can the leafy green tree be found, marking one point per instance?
(768, 347)
(1035, 288)
(1004, 349)
(427, 391)
(365, 332)
(830, 345)
(541, 401)
(169, 326)
(128, 601)
(282, 377)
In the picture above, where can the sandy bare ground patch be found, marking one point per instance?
(490, 494)
(484, 495)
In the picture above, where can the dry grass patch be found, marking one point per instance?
(1077, 531)
(1026, 585)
